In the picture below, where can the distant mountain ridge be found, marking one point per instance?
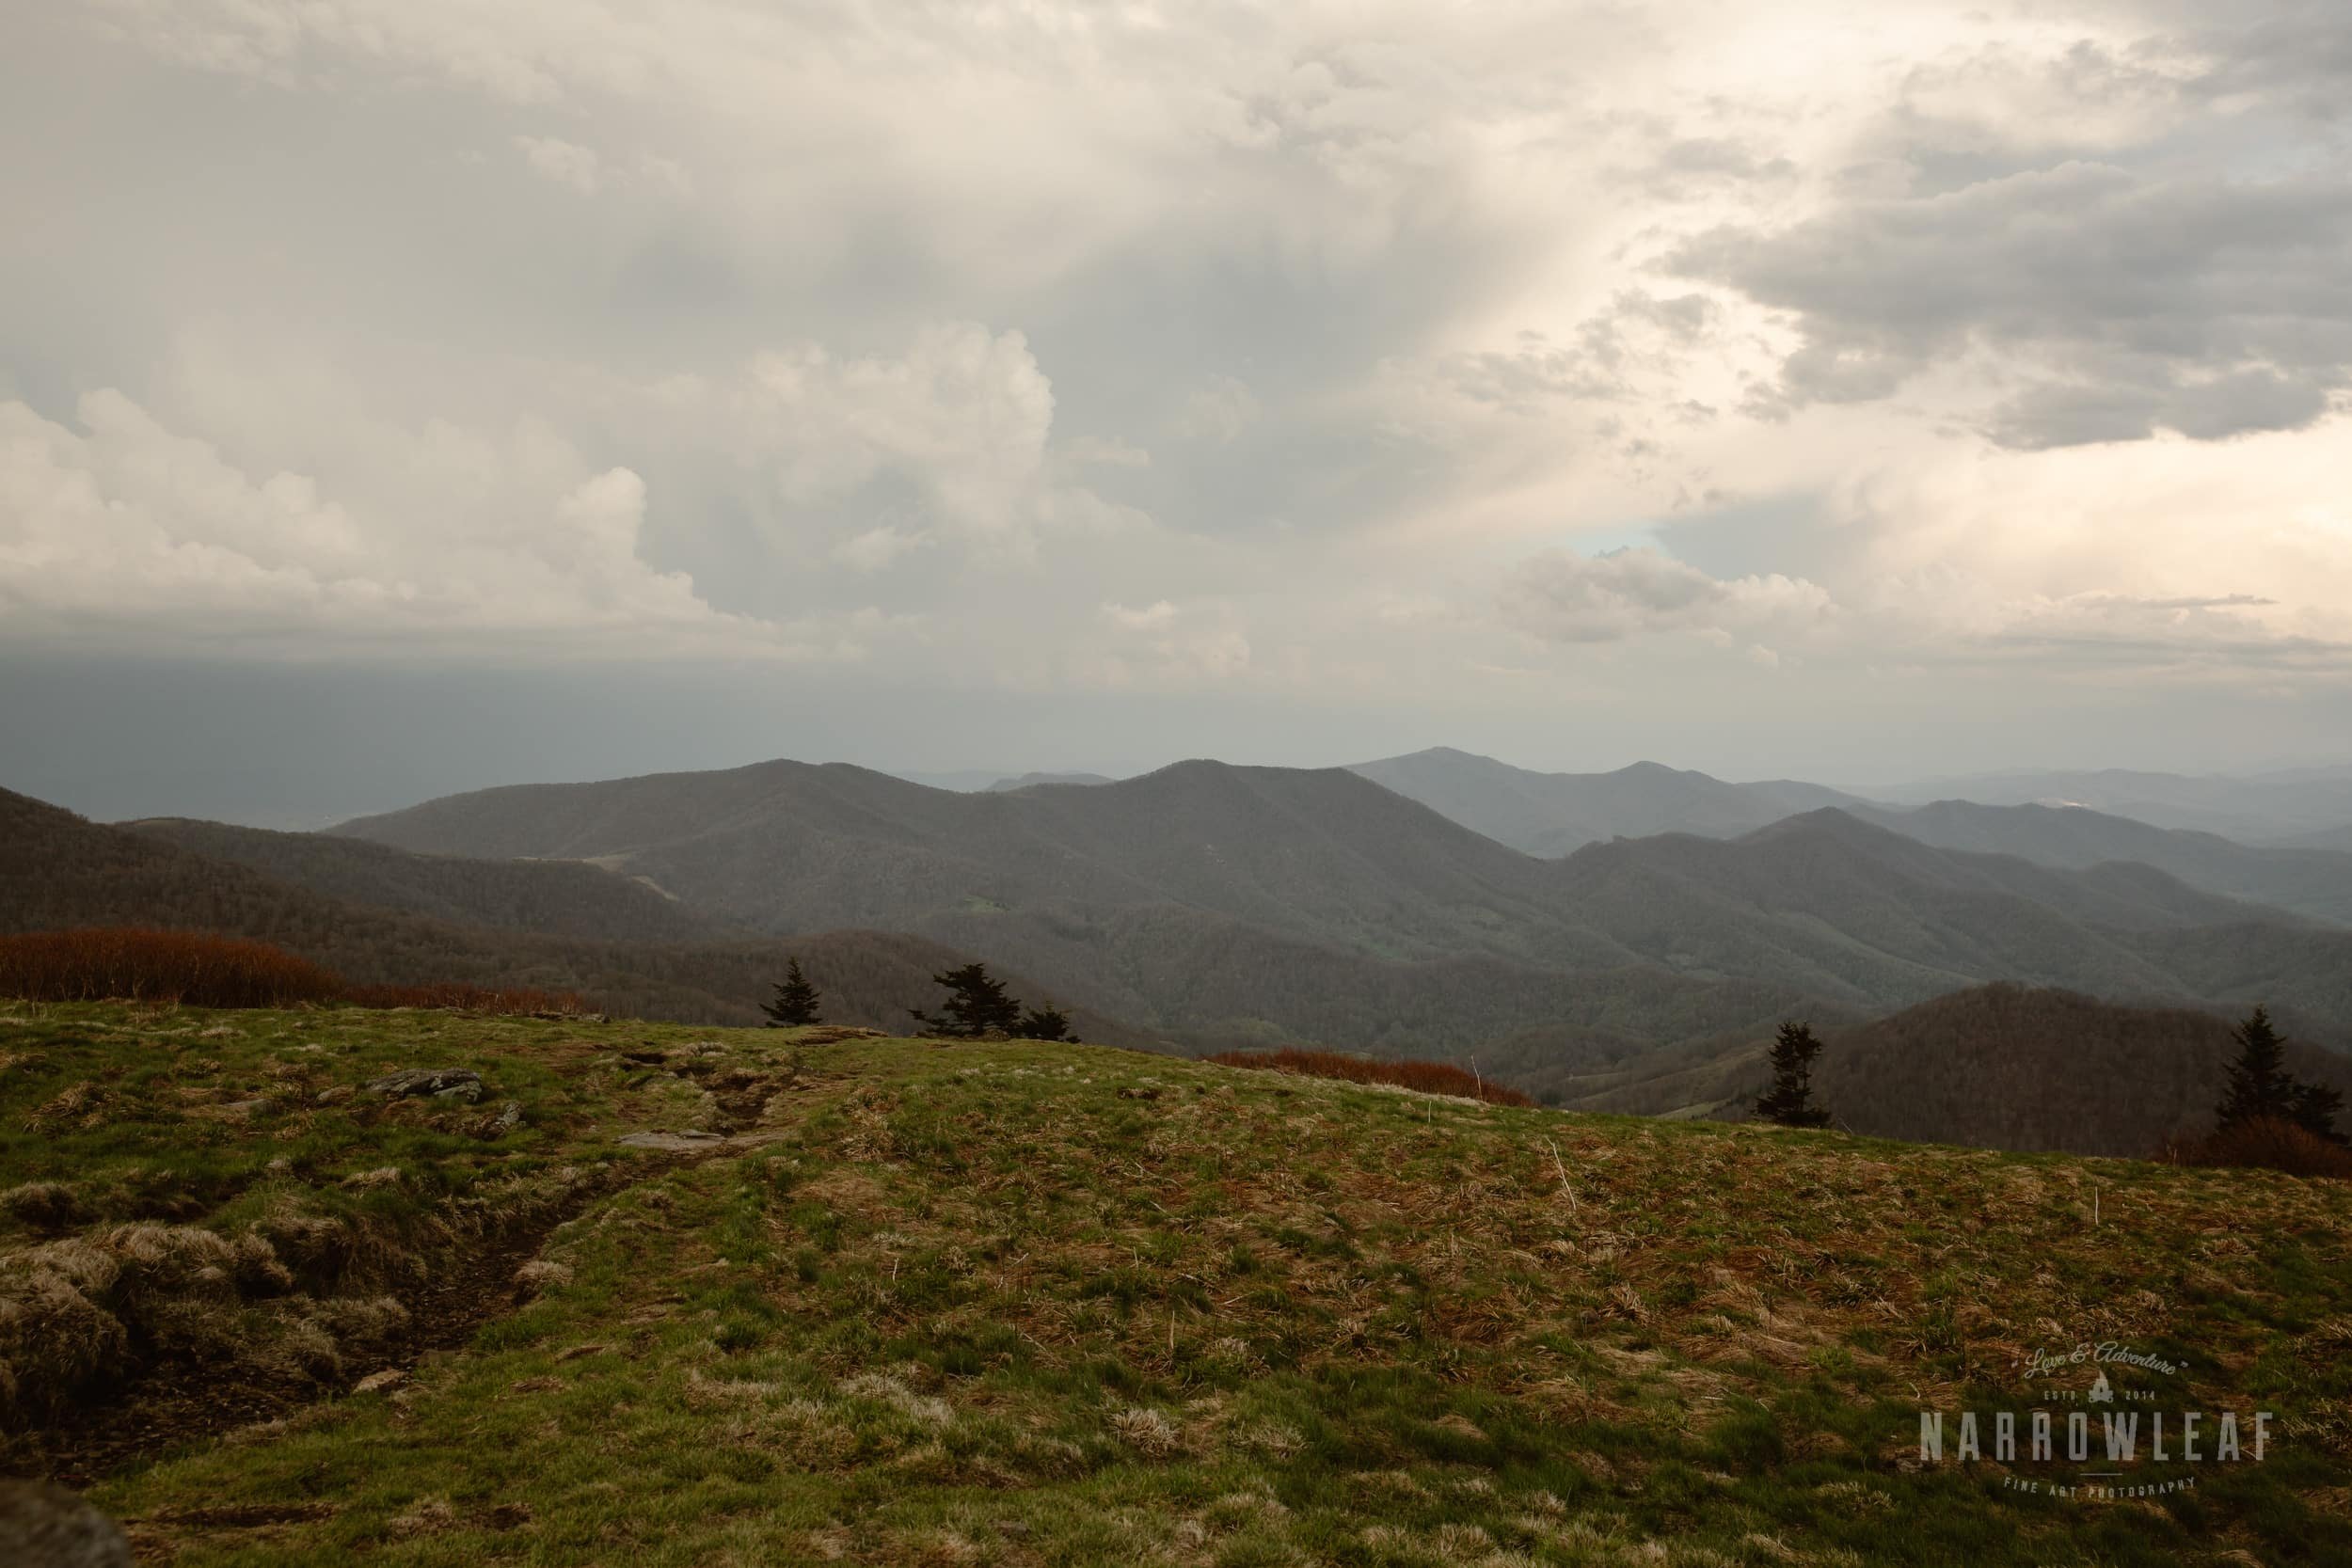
(1216, 902)
(1027, 781)
(2265, 808)
(1551, 814)
(2315, 882)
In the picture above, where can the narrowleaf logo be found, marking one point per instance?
(2146, 1438)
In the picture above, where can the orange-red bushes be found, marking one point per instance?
(2265, 1144)
(1427, 1077)
(158, 966)
(202, 971)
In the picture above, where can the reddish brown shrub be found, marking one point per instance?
(122, 963)
(2264, 1144)
(158, 966)
(1427, 1077)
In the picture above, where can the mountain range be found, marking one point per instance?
(1552, 814)
(2275, 807)
(1549, 814)
(1206, 905)
(1208, 902)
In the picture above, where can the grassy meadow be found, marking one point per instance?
(1021, 1303)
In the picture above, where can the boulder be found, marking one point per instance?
(45, 1525)
(441, 1083)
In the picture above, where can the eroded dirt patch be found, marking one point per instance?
(175, 1403)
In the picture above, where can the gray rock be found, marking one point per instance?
(510, 1115)
(441, 1083)
(44, 1526)
(677, 1142)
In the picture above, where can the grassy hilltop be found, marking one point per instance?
(1027, 1305)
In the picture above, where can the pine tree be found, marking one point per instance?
(1048, 1022)
(1789, 1100)
(2260, 1088)
(977, 1005)
(795, 1001)
(2315, 1109)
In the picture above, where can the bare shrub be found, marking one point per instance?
(117, 963)
(158, 966)
(2264, 1143)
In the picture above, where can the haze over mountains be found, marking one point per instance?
(1211, 902)
(1547, 813)
(1551, 814)
(2301, 804)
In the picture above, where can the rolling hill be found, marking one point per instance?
(1551, 814)
(1020, 1305)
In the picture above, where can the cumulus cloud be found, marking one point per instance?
(874, 548)
(1246, 344)
(130, 531)
(963, 416)
(1565, 597)
(1162, 644)
(2033, 264)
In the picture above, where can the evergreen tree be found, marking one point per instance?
(2315, 1108)
(795, 1001)
(977, 1005)
(2260, 1086)
(1789, 1100)
(1048, 1022)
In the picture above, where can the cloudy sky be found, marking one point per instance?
(403, 395)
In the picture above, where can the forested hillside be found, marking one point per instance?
(2000, 1066)
(2005, 1067)
(59, 871)
(567, 899)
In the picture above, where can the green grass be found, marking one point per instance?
(1036, 1304)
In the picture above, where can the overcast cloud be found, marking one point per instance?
(1728, 383)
